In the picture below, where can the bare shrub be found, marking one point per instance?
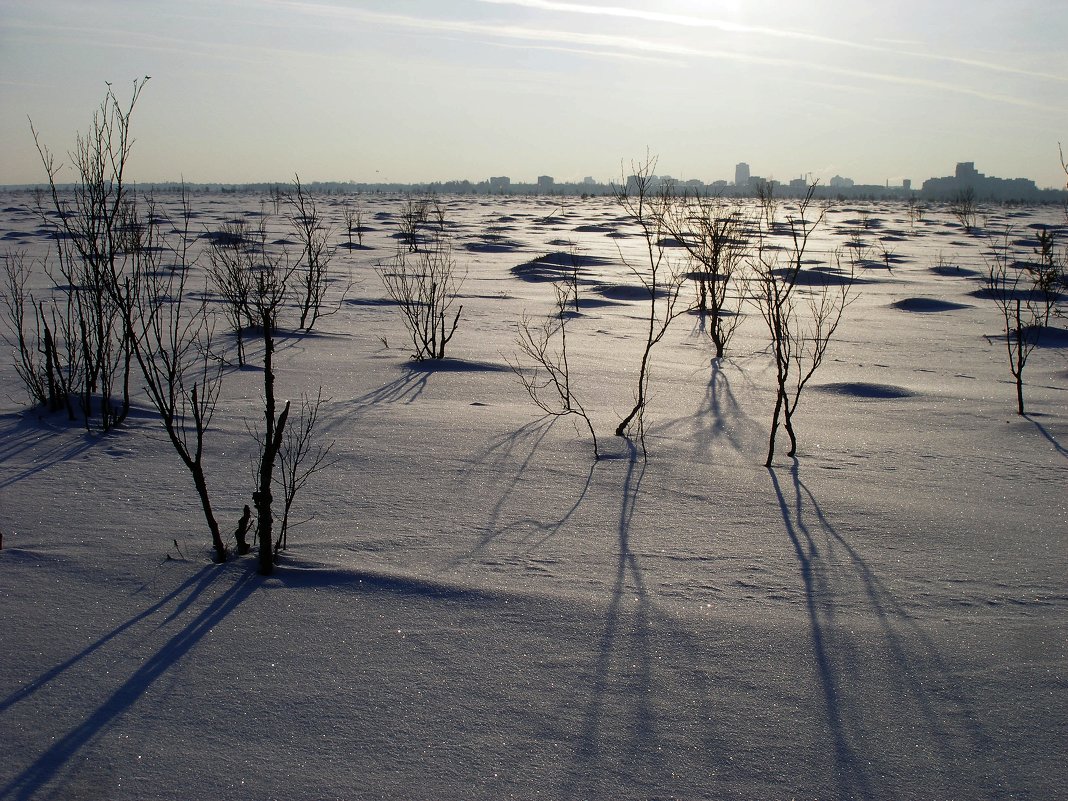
(914, 210)
(96, 232)
(173, 346)
(232, 268)
(353, 216)
(661, 280)
(299, 458)
(47, 358)
(769, 204)
(314, 236)
(965, 207)
(715, 236)
(413, 221)
(548, 379)
(424, 285)
(270, 294)
(800, 332)
(1026, 294)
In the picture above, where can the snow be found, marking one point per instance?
(478, 609)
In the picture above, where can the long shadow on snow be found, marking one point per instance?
(1063, 451)
(627, 567)
(449, 365)
(720, 415)
(405, 389)
(20, 436)
(410, 384)
(196, 584)
(501, 455)
(859, 747)
(627, 643)
(297, 574)
(719, 407)
(51, 762)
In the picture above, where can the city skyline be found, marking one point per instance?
(247, 91)
(965, 178)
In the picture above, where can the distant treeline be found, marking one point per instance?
(934, 189)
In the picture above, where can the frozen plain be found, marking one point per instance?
(479, 609)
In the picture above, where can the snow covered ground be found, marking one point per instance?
(480, 610)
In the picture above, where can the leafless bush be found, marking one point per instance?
(548, 379)
(353, 215)
(425, 285)
(173, 346)
(661, 280)
(413, 221)
(716, 238)
(435, 214)
(277, 196)
(115, 302)
(270, 294)
(965, 207)
(915, 211)
(47, 357)
(97, 230)
(232, 255)
(1051, 272)
(314, 236)
(299, 458)
(258, 286)
(800, 333)
(769, 204)
(1025, 295)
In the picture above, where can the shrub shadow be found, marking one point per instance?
(48, 765)
(900, 660)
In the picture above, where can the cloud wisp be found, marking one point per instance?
(612, 45)
(689, 21)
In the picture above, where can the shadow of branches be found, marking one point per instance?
(880, 671)
(66, 748)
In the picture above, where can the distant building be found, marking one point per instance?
(741, 175)
(636, 182)
(967, 173)
(906, 184)
(966, 177)
(838, 182)
(545, 183)
(500, 183)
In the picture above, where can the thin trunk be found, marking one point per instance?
(241, 533)
(1021, 358)
(774, 429)
(272, 442)
(718, 340)
(639, 404)
(202, 490)
(50, 361)
(788, 424)
(263, 497)
(280, 544)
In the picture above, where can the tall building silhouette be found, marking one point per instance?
(741, 175)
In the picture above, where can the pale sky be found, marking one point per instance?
(420, 90)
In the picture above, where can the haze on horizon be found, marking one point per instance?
(422, 90)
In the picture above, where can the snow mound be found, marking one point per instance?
(866, 389)
(928, 305)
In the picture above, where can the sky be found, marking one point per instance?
(427, 90)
